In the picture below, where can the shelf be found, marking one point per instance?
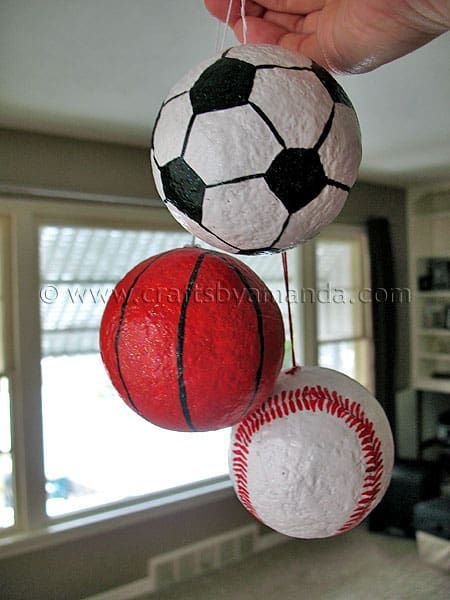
(429, 384)
(429, 240)
(434, 294)
(435, 355)
(431, 331)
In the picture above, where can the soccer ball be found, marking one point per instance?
(255, 151)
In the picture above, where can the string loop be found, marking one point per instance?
(220, 41)
(244, 22)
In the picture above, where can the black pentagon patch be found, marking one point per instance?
(296, 177)
(225, 84)
(333, 88)
(183, 188)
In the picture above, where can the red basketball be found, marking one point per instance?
(192, 340)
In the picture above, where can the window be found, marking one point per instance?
(6, 463)
(96, 450)
(269, 268)
(70, 448)
(342, 302)
(7, 516)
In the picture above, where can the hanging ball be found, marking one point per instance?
(315, 458)
(255, 151)
(192, 340)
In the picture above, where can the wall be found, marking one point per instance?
(81, 568)
(42, 161)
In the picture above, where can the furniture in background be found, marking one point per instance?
(429, 252)
(432, 525)
(412, 482)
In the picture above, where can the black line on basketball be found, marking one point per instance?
(119, 329)
(224, 55)
(166, 102)
(283, 229)
(339, 185)
(180, 341)
(326, 130)
(269, 123)
(259, 320)
(188, 133)
(237, 180)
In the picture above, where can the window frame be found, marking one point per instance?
(7, 361)
(33, 529)
(358, 234)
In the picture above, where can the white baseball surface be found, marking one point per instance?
(288, 107)
(316, 458)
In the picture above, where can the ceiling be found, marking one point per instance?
(98, 69)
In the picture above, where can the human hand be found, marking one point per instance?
(344, 36)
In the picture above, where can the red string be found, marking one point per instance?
(291, 328)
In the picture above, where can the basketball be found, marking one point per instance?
(192, 340)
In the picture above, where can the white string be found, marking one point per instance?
(218, 36)
(244, 22)
(220, 43)
(225, 26)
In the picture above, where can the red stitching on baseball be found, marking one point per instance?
(313, 399)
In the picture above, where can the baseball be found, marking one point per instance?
(315, 458)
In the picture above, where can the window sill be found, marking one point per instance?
(107, 520)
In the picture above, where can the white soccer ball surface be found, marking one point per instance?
(315, 458)
(256, 150)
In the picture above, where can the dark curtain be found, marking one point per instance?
(383, 314)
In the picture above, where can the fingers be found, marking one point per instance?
(219, 9)
(287, 21)
(260, 31)
(287, 29)
(310, 23)
(308, 45)
(298, 7)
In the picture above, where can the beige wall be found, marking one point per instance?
(42, 161)
(81, 568)
(85, 567)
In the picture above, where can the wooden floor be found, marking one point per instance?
(356, 566)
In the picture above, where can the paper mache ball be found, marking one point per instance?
(315, 458)
(255, 151)
(192, 339)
